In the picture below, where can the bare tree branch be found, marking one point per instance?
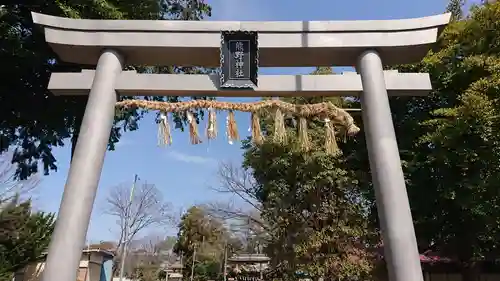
(239, 182)
(145, 210)
(226, 211)
(245, 220)
(177, 216)
(11, 188)
(150, 244)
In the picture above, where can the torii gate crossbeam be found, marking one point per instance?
(366, 44)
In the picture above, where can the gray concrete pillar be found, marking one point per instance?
(400, 246)
(68, 240)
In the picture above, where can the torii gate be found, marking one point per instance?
(366, 44)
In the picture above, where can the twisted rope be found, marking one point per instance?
(324, 110)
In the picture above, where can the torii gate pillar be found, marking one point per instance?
(400, 247)
(68, 239)
(198, 44)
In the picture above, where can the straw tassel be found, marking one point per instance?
(331, 146)
(304, 142)
(257, 137)
(193, 129)
(322, 110)
(164, 134)
(232, 128)
(279, 127)
(212, 124)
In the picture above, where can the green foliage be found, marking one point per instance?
(205, 235)
(167, 244)
(455, 8)
(449, 142)
(449, 145)
(208, 270)
(457, 160)
(24, 237)
(147, 273)
(31, 118)
(315, 211)
(312, 205)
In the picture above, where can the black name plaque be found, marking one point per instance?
(239, 59)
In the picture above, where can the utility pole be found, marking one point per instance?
(194, 257)
(192, 264)
(125, 234)
(182, 265)
(259, 250)
(225, 260)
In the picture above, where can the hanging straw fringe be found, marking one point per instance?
(212, 124)
(232, 128)
(304, 143)
(331, 146)
(279, 135)
(333, 115)
(164, 134)
(337, 115)
(193, 129)
(257, 136)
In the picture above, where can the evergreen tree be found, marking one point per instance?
(31, 118)
(455, 7)
(24, 237)
(449, 144)
(204, 235)
(315, 212)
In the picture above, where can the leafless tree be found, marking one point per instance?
(136, 212)
(10, 187)
(151, 244)
(243, 219)
(149, 253)
(177, 216)
(158, 245)
(238, 181)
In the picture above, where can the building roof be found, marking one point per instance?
(103, 252)
(249, 258)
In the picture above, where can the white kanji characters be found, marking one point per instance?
(239, 59)
(239, 46)
(239, 73)
(238, 55)
(240, 64)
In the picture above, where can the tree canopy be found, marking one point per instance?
(318, 210)
(448, 142)
(455, 159)
(31, 118)
(312, 204)
(204, 239)
(24, 236)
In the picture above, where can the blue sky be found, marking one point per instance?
(183, 172)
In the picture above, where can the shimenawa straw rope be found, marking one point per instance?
(332, 115)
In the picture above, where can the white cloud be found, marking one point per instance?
(191, 159)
